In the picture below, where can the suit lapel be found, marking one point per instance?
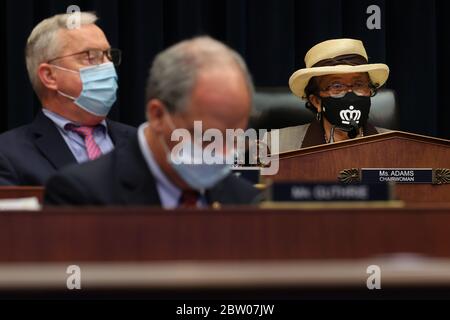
(218, 194)
(137, 184)
(53, 147)
(314, 135)
(50, 142)
(119, 135)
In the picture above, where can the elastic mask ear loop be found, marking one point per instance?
(173, 127)
(65, 69)
(164, 144)
(67, 96)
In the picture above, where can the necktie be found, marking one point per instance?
(189, 199)
(87, 133)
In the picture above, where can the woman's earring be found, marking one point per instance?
(319, 116)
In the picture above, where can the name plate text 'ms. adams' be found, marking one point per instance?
(395, 175)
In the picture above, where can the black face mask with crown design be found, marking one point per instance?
(348, 113)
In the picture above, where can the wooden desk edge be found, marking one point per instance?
(220, 275)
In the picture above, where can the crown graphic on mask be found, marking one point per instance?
(349, 115)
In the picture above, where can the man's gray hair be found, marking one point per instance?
(174, 71)
(43, 43)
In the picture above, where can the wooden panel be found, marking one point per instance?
(392, 150)
(241, 234)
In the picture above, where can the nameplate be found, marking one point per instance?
(395, 175)
(325, 192)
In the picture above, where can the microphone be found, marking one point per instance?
(353, 132)
(352, 129)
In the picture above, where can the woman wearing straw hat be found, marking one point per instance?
(338, 83)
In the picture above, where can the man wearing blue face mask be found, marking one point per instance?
(196, 81)
(72, 71)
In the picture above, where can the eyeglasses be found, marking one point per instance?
(96, 57)
(338, 90)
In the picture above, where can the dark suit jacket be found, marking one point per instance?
(123, 178)
(29, 155)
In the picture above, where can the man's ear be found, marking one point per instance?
(316, 102)
(156, 112)
(47, 76)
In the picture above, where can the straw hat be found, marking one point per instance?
(329, 57)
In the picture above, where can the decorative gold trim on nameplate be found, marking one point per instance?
(216, 205)
(260, 186)
(318, 205)
(441, 176)
(349, 176)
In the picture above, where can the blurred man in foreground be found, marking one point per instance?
(196, 82)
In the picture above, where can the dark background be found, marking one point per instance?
(272, 35)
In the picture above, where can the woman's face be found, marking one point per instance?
(337, 85)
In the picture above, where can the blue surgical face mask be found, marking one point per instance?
(191, 167)
(99, 88)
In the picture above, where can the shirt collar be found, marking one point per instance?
(61, 122)
(159, 175)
